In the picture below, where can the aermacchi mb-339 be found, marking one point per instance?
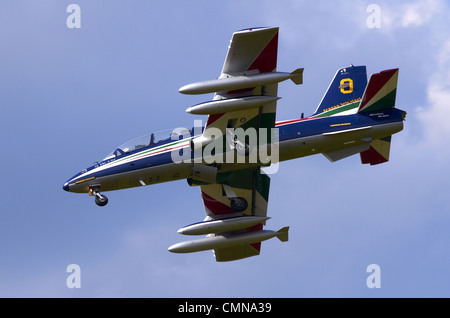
(231, 156)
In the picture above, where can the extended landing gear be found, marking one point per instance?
(100, 199)
(238, 204)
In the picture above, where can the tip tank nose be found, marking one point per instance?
(66, 186)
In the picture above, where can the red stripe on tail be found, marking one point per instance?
(376, 83)
(371, 156)
(267, 59)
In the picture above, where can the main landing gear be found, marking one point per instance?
(100, 199)
(238, 204)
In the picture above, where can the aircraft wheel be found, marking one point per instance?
(101, 200)
(242, 149)
(238, 204)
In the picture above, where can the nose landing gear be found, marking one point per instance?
(100, 199)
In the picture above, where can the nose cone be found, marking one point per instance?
(66, 186)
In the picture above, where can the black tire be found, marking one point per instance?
(101, 200)
(239, 204)
(242, 149)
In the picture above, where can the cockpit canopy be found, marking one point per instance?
(152, 139)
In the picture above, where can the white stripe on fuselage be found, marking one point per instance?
(147, 153)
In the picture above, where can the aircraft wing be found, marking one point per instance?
(246, 191)
(241, 122)
(251, 52)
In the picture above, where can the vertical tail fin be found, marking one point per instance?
(346, 88)
(380, 92)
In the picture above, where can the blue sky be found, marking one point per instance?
(69, 96)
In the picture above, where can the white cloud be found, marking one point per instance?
(408, 15)
(425, 23)
(434, 116)
(421, 12)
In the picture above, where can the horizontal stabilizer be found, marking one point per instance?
(378, 152)
(380, 92)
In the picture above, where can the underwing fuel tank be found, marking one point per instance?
(240, 82)
(222, 225)
(230, 104)
(215, 241)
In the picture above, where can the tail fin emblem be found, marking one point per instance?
(346, 86)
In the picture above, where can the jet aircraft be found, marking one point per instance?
(230, 158)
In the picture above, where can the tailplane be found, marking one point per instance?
(378, 152)
(344, 93)
(380, 92)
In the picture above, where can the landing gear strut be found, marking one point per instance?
(238, 204)
(100, 199)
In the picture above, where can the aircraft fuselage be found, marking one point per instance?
(335, 136)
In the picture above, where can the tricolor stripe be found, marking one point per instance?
(378, 152)
(380, 92)
(137, 156)
(267, 59)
